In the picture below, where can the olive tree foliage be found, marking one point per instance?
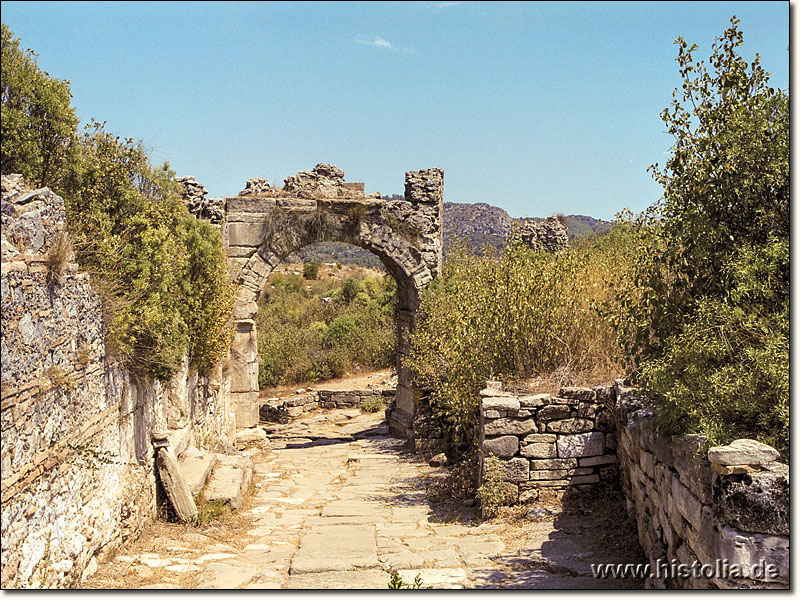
(706, 319)
(38, 123)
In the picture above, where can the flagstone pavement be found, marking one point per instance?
(337, 504)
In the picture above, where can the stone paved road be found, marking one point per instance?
(338, 505)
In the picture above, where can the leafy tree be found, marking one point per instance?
(707, 316)
(38, 123)
(160, 271)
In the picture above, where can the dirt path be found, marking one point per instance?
(337, 504)
(356, 381)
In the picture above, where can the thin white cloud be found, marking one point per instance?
(379, 42)
(447, 4)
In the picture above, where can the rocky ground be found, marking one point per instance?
(336, 503)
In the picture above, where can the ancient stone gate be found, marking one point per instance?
(263, 225)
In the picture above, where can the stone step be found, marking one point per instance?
(195, 467)
(252, 436)
(229, 481)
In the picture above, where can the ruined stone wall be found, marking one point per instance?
(282, 410)
(734, 510)
(264, 225)
(548, 444)
(728, 508)
(76, 451)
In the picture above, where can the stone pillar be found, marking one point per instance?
(244, 373)
(424, 191)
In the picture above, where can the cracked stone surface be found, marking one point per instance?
(338, 504)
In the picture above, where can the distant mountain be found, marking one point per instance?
(478, 225)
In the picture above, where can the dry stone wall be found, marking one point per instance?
(719, 520)
(76, 451)
(282, 410)
(730, 510)
(548, 444)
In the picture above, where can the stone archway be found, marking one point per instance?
(263, 225)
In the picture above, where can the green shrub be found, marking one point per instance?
(301, 338)
(522, 314)
(38, 124)
(160, 272)
(311, 270)
(351, 287)
(373, 404)
(705, 316)
(342, 331)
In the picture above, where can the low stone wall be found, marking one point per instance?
(548, 444)
(733, 511)
(282, 410)
(77, 458)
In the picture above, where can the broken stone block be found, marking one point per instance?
(175, 486)
(756, 502)
(250, 436)
(743, 452)
(439, 460)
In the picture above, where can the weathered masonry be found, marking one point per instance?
(728, 515)
(76, 449)
(263, 225)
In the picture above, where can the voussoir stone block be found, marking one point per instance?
(504, 447)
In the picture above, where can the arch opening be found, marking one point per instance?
(264, 226)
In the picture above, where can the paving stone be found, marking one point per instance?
(368, 579)
(403, 560)
(436, 578)
(222, 576)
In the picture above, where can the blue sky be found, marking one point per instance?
(538, 107)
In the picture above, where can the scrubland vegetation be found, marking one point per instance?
(695, 292)
(690, 299)
(311, 330)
